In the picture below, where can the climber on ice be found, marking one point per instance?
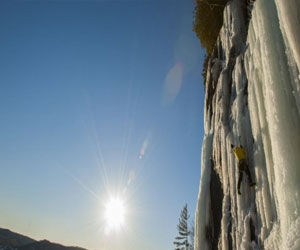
(240, 155)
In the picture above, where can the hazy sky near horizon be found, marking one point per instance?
(99, 99)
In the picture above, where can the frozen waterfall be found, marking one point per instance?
(252, 99)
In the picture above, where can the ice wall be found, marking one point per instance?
(252, 99)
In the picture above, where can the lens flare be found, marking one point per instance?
(143, 149)
(145, 145)
(131, 177)
(173, 83)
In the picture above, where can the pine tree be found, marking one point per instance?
(182, 240)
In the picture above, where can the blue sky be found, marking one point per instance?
(99, 98)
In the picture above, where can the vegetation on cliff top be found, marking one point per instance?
(208, 21)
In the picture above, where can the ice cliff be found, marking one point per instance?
(253, 99)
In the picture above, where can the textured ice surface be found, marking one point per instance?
(253, 99)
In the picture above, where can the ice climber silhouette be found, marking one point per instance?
(241, 158)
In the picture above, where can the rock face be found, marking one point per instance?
(252, 99)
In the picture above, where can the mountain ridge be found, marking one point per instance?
(10, 240)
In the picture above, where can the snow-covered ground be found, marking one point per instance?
(253, 99)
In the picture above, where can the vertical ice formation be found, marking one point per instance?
(252, 99)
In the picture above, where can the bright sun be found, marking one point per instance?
(114, 214)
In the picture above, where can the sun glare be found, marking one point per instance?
(114, 214)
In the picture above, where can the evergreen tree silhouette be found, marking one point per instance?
(182, 240)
